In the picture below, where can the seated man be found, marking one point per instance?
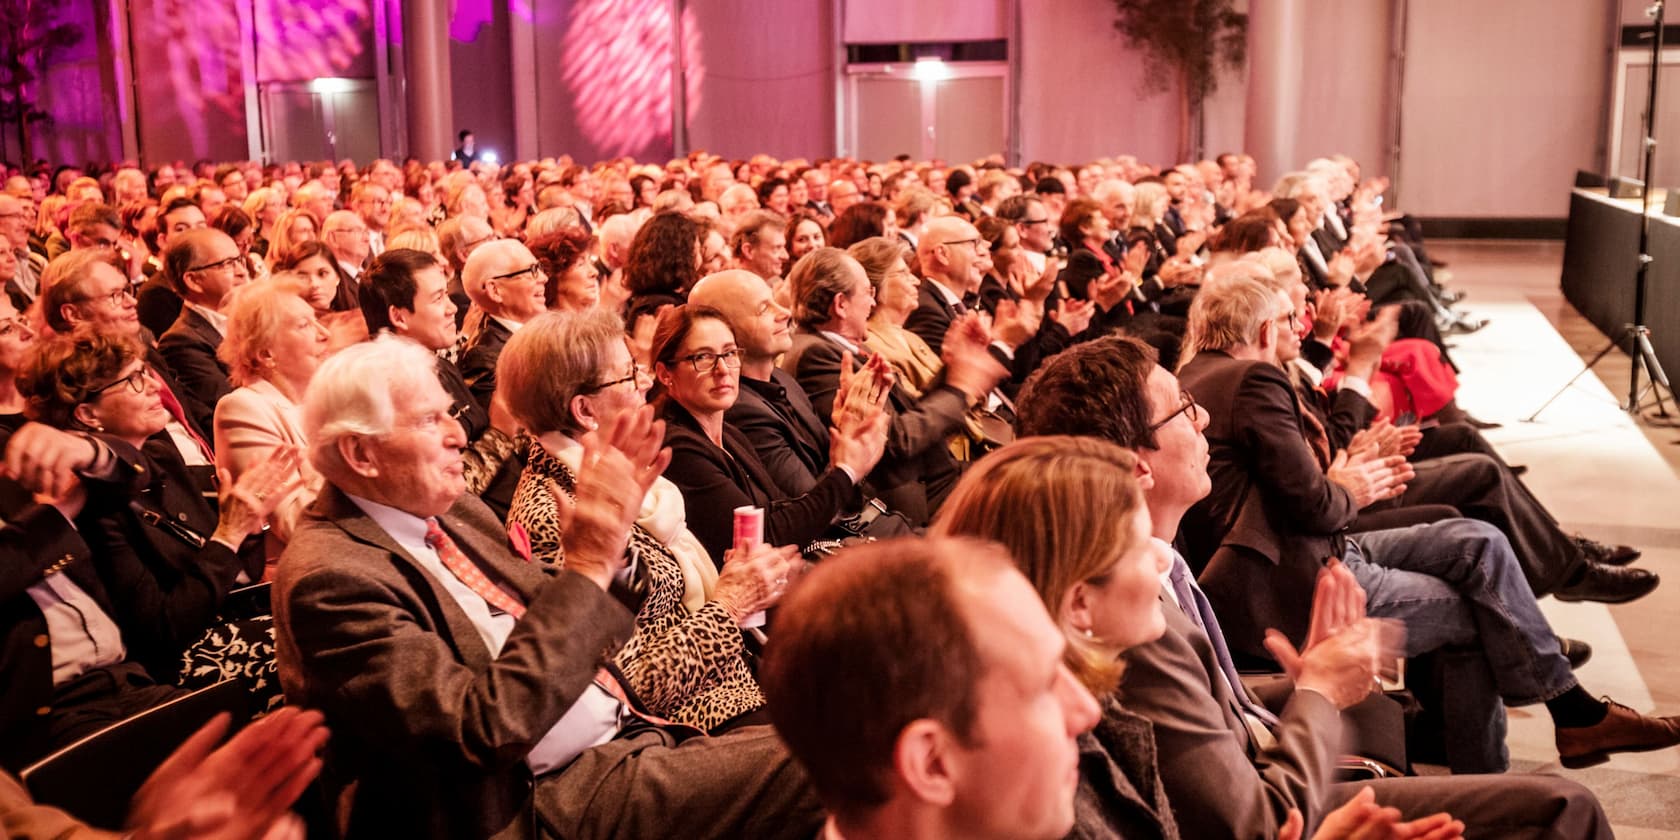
(1185, 683)
(204, 265)
(506, 283)
(454, 674)
(1454, 583)
(832, 300)
(966, 727)
(406, 292)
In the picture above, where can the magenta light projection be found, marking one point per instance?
(616, 60)
(309, 39)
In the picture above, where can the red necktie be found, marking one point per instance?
(172, 405)
(468, 572)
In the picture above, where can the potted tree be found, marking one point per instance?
(1186, 44)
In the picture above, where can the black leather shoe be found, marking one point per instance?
(1482, 424)
(1609, 585)
(1597, 552)
(1622, 730)
(1574, 650)
(1520, 470)
(1465, 326)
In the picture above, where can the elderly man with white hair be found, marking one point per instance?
(505, 283)
(472, 693)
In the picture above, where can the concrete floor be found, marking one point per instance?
(1599, 473)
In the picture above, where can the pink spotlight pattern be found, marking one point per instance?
(616, 63)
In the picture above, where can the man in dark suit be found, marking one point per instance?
(159, 302)
(205, 265)
(507, 284)
(1229, 783)
(1280, 504)
(470, 693)
(832, 300)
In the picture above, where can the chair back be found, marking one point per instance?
(95, 778)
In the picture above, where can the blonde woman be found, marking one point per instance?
(272, 347)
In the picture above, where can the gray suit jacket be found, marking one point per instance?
(1219, 781)
(430, 731)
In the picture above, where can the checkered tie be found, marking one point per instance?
(463, 568)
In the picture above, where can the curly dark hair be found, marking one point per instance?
(663, 256)
(62, 372)
(558, 252)
(1098, 388)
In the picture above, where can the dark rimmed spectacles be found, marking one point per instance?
(227, 263)
(636, 373)
(705, 362)
(531, 271)
(135, 381)
(1186, 406)
(114, 298)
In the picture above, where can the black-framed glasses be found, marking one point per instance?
(531, 271)
(1186, 406)
(977, 242)
(227, 263)
(636, 373)
(135, 381)
(706, 362)
(1031, 222)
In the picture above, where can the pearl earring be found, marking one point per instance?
(1089, 634)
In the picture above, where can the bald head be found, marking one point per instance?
(950, 253)
(486, 279)
(761, 326)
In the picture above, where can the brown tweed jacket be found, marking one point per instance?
(430, 731)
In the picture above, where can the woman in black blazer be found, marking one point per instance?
(168, 552)
(698, 368)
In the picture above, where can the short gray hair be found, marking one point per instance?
(356, 392)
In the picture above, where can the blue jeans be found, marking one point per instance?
(1456, 584)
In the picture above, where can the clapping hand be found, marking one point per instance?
(247, 503)
(1345, 649)
(620, 463)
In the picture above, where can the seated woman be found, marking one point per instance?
(272, 346)
(566, 256)
(662, 265)
(805, 234)
(699, 369)
(238, 226)
(330, 295)
(1098, 572)
(862, 221)
(294, 227)
(564, 375)
(168, 552)
(15, 340)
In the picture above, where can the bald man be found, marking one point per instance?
(505, 282)
(772, 409)
(954, 259)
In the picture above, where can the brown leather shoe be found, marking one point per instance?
(1622, 730)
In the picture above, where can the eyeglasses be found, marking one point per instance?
(1186, 406)
(235, 260)
(135, 381)
(531, 271)
(707, 362)
(1031, 222)
(636, 373)
(116, 298)
(977, 242)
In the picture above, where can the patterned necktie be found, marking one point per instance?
(1196, 607)
(468, 572)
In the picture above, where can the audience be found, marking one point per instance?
(472, 693)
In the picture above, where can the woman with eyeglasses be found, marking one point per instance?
(15, 340)
(272, 347)
(698, 368)
(170, 555)
(566, 374)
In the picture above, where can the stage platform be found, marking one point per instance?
(1600, 257)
